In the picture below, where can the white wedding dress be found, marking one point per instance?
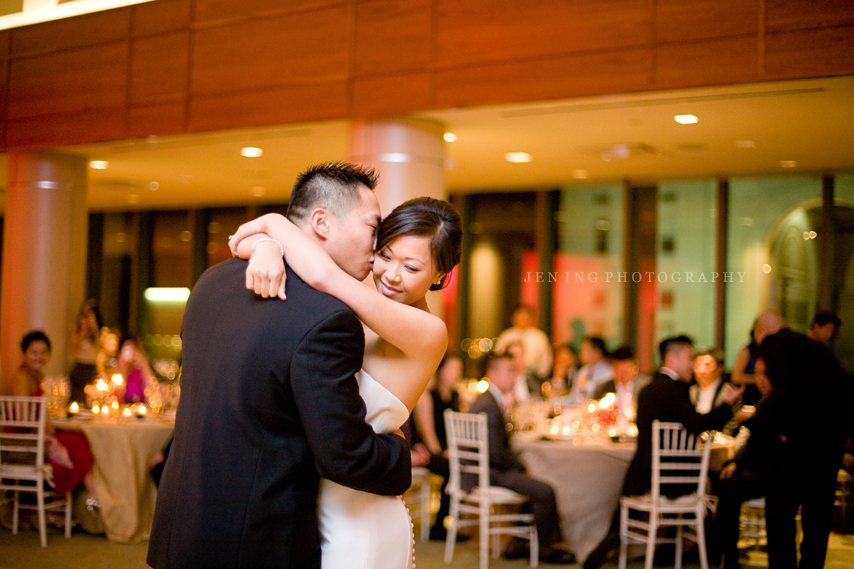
(359, 530)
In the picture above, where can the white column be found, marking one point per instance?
(409, 155)
(44, 254)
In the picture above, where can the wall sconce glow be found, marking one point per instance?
(518, 157)
(788, 164)
(167, 294)
(580, 174)
(766, 268)
(257, 191)
(99, 164)
(450, 137)
(686, 119)
(251, 152)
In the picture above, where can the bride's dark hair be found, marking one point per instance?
(427, 217)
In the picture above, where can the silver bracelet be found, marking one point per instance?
(281, 247)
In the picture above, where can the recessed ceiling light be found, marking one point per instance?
(686, 119)
(580, 174)
(745, 144)
(257, 191)
(99, 164)
(251, 151)
(450, 137)
(788, 164)
(518, 157)
(153, 186)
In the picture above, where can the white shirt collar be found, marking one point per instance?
(670, 373)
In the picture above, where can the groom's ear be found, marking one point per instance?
(319, 222)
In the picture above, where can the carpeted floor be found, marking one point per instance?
(84, 551)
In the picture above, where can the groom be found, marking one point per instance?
(269, 401)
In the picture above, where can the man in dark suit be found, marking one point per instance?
(506, 470)
(665, 399)
(810, 393)
(269, 401)
(627, 383)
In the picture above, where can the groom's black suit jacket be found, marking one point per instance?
(269, 404)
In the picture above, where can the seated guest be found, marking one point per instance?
(506, 470)
(107, 362)
(134, 368)
(627, 384)
(68, 452)
(824, 326)
(595, 371)
(526, 382)
(429, 417)
(708, 392)
(743, 478)
(564, 370)
(665, 399)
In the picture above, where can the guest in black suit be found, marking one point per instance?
(506, 470)
(270, 402)
(627, 383)
(811, 394)
(665, 399)
(743, 478)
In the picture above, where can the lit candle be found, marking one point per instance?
(74, 407)
(126, 412)
(96, 409)
(142, 410)
(118, 379)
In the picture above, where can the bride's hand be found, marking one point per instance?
(265, 273)
(258, 225)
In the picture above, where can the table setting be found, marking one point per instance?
(123, 437)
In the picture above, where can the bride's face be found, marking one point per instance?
(404, 269)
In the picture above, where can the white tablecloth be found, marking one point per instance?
(587, 480)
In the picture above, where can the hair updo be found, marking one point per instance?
(427, 217)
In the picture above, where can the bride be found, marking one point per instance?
(418, 244)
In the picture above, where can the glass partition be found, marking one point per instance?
(685, 261)
(589, 289)
(772, 253)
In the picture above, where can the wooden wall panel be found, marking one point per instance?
(570, 76)
(269, 106)
(393, 36)
(160, 17)
(800, 14)
(159, 68)
(677, 20)
(169, 118)
(377, 96)
(70, 33)
(87, 125)
(485, 30)
(5, 39)
(215, 10)
(709, 62)
(68, 81)
(259, 54)
(191, 65)
(4, 83)
(815, 53)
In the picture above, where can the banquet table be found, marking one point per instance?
(122, 449)
(587, 477)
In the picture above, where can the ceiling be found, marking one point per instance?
(743, 130)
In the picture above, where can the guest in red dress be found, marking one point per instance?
(68, 452)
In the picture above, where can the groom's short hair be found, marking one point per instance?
(333, 186)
